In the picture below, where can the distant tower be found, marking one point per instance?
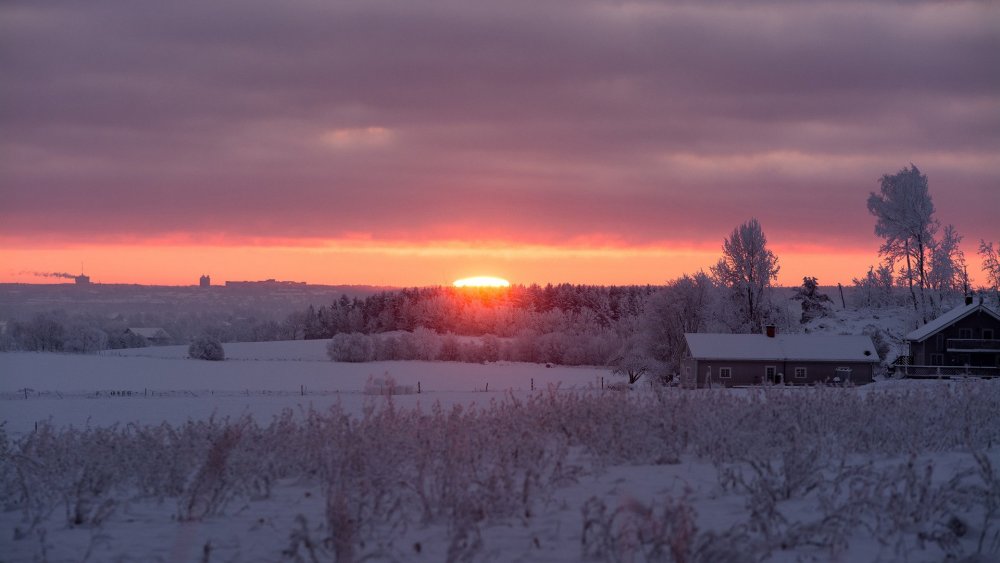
(82, 279)
(204, 281)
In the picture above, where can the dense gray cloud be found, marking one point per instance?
(538, 121)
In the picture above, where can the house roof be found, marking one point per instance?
(149, 332)
(947, 319)
(782, 347)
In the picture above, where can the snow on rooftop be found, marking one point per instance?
(955, 315)
(782, 347)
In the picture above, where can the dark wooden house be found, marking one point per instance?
(963, 341)
(734, 360)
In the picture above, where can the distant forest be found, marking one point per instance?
(476, 311)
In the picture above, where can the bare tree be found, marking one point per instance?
(747, 267)
(904, 213)
(682, 306)
(991, 265)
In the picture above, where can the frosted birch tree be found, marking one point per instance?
(904, 213)
(948, 270)
(747, 267)
(991, 266)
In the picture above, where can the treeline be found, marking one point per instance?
(527, 312)
(571, 349)
(59, 331)
(503, 312)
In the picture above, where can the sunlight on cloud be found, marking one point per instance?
(358, 137)
(808, 165)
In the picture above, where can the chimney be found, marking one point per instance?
(771, 330)
(968, 300)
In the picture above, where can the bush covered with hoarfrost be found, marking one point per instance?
(391, 469)
(207, 348)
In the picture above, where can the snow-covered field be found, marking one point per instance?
(311, 467)
(157, 384)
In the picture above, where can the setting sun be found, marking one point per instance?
(482, 281)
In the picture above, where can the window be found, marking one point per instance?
(937, 360)
(965, 333)
(725, 373)
(987, 334)
(800, 373)
(770, 374)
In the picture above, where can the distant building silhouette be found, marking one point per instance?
(268, 283)
(154, 335)
(204, 281)
(82, 279)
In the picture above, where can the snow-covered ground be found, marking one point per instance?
(160, 384)
(886, 472)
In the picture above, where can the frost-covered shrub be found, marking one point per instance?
(424, 343)
(206, 348)
(209, 490)
(802, 460)
(661, 531)
(881, 340)
(83, 339)
(450, 349)
(354, 347)
(127, 339)
(386, 348)
(386, 386)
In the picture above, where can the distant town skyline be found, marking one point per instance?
(402, 144)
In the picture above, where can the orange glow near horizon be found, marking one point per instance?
(481, 281)
(401, 264)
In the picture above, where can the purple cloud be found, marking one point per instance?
(535, 120)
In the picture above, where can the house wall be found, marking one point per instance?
(705, 373)
(921, 352)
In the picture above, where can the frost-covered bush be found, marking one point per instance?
(354, 347)
(387, 386)
(661, 531)
(883, 344)
(83, 339)
(390, 469)
(206, 348)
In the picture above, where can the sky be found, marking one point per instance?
(416, 142)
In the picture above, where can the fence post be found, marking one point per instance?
(418, 388)
(532, 383)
